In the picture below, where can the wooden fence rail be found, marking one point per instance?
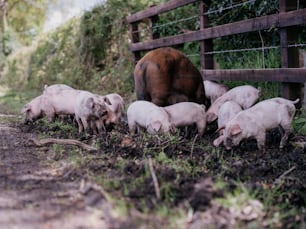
(286, 21)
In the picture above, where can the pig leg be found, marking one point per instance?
(80, 125)
(132, 126)
(285, 131)
(100, 125)
(93, 126)
(85, 124)
(177, 98)
(50, 114)
(201, 128)
(261, 140)
(159, 101)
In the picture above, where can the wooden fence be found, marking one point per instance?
(287, 20)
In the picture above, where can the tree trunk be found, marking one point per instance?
(3, 25)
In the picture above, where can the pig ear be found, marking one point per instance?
(26, 108)
(155, 126)
(211, 117)
(218, 141)
(236, 129)
(106, 100)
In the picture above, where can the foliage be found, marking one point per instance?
(299, 125)
(89, 53)
(26, 18)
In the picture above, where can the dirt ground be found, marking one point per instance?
(41, 188)
(37, 193)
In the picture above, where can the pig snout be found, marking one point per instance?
(111, 118)
(228, 143)
(102, 112)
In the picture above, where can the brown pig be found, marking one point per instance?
(165, 76)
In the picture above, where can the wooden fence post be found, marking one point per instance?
(207, 61)
(152, 21)
(290, 55)
(135, 38)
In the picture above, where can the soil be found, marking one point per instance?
(42, 188)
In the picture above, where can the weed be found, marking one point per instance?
(299, 125)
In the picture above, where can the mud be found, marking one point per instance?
(42, 188)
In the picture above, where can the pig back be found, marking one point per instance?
(166, 73)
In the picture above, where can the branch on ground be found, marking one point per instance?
(74, 142)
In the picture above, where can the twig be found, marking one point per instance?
(192, 146)
(284, 174)
(155, 181)
(74, 142)
(7, 115)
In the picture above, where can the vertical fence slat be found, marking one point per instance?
(153, 33)
(135, 38)
(207, 61)
(289, 56)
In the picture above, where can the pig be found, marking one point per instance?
(114, 109)
(50, 105)
(214, 90)
(186, 114)
(245, 96)
(165, 76)
(255, 121)
(55, 88)
(60, 103)
(149, 116)
(226, 112)
(116, 105)
(88, 108)
(33, 110)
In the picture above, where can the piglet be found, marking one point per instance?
(245, 96)
(149, 116)
(255, 121)
(55, 88)
(60, 103)
(214, 90)
(186, 114)
(116, 105)
(226, 112)
(33, 110)
(88, 108)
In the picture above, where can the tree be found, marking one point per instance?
(20, 21)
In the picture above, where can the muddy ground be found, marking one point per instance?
(54, 186)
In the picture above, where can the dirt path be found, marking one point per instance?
(37, 193)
